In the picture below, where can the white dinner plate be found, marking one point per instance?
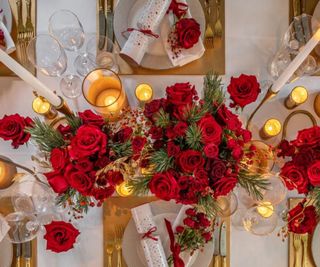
(6, 253)
(4, 4)
(131, 247)
(315, 245)
(126, 15)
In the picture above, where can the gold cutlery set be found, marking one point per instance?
(114, 247)
(25, 30)
(23, 255)
(217, 30)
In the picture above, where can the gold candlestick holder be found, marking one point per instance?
(269, 95)
(64, 108)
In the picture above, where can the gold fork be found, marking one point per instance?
(21, 34)
(297, 244)
(109, 249)
(209, 34)
(307, 262)
(118, 243)
(218, 24)
(29, 29)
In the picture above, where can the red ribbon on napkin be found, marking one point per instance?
(149, 234)
(179, 9)
(144, 31)
(174, 247)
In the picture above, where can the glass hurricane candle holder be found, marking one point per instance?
(271, 128)
(298, 96)
(102, 89)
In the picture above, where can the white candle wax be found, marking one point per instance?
(295, 64)
(25, 75)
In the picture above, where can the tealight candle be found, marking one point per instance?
(298, 96)
(42, 107)
(123, 189)
(265, 209)
(7, 173)
(144, 93)
(271, 128)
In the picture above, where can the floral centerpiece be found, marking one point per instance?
(302, 173)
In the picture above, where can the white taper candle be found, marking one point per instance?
(295, 64)
(25, 75)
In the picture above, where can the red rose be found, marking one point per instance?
(227, 118)
(179, 229)
(190, 160)
(88, 117)
(201, 174)
(224, 186)
(210, 129)
(84, 165)
(123, 135)
(180, 112)
(211, 150)
(103, 193)
(60, 236)
(188, 32)
(88, 141)
(314, 173)
(304, 157)
(191, 212)
(246, 135)
(153, 107)
(172, 149)
(184, 182)
(102, 162)
(216, 168)
(59, 158)
(243, 90)
(156, 132)
(138, 143)
(285, 149)
(114, 177)
(81, 182)
(308, 137)
(180, 128)
(302, 219)
(12, 128)
(294, 178)
(57, 181)
(164, 186)
(189, 222)
(65, 130)
(181, 94)
(237, 152)
(207, 236)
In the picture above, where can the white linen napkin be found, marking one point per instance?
(4, 227)
(10, 46)
(186, 55)
(150, 19)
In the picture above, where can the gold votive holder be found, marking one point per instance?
(102, 89)
(298, 96)
(271, 128)
(144, 93)
(265, 209)
(123, 189)
(7, 173)
(42, 107)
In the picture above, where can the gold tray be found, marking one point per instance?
(4, 71)
(292, 202)
(213, 59)
(116, 211)
(6, 208)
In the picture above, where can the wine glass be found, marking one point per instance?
(47, 55)
(66, 27)
(228, 205)
(105, 56)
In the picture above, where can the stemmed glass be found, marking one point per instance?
(65, 26)
(47, 55)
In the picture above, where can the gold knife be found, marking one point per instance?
(17, 255)
(27, 253)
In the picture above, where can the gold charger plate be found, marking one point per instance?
(292, 202)
(213, 58)
(116, 211)
(4, 71)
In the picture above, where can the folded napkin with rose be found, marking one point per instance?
(6, 41)
(180, 33)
